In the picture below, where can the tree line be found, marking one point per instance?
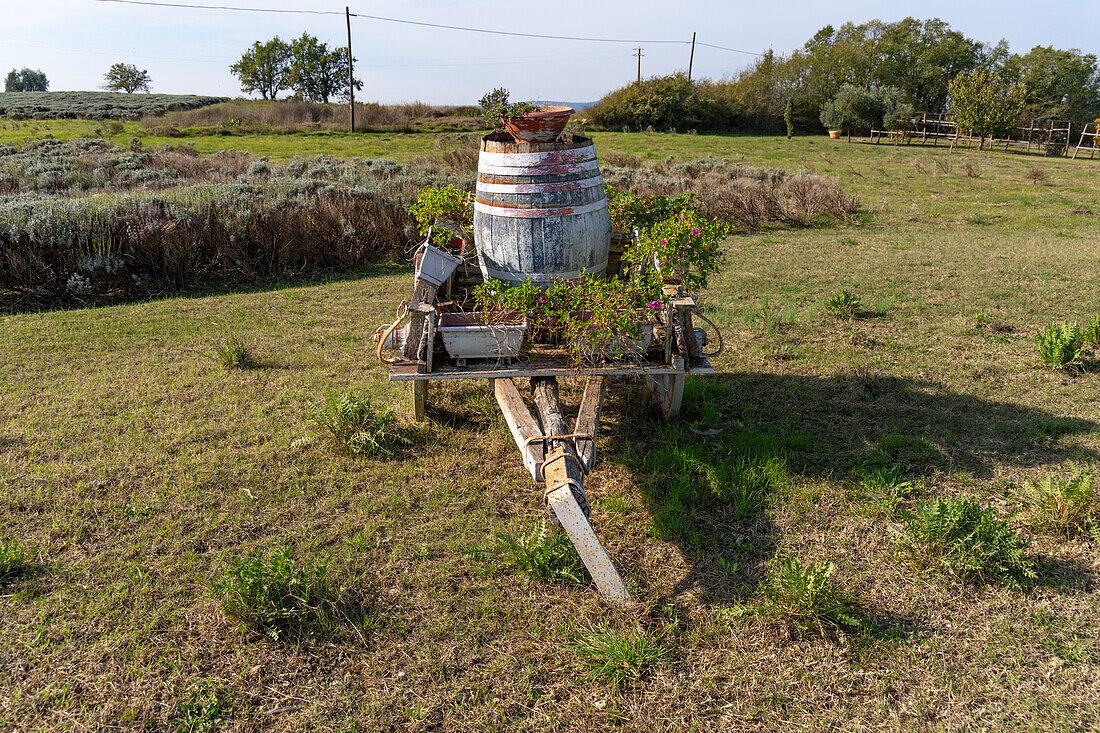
(909, 62)
(305, 65)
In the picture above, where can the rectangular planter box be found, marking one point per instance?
(436, 265)
(467, 336)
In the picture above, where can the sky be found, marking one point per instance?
(188, 51)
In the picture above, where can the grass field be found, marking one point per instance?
(134, 467)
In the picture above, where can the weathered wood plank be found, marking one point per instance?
(595, 558)
(588, 419)
(522, 424)
(423, 294)
(408, 373)
(562, 452)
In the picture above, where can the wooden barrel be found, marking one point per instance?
(540, 211)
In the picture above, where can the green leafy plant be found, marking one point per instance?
(495, 108)
(1060, 344)
(844, 304)
(805, 595)
(981, 102)
(276, 595)
(537, 555)
(442, 202)
(352, 423)
(15, 558)
(617, 656)
(596, 317)
(202, 711)
(1069, 506)
(1092, 331)
(887, 484)
(965, 539)
(234, 353)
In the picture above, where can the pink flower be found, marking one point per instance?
(664, 241)
(696, 232)
(653, 304)
(542, 300)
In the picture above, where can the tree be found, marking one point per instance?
(126, 78)
(981, 102)
(316, 73)
(26, 80)
(497, 97)
(1057, 84)
(264, 68)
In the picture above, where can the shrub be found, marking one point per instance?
(276, 595)
(668, 102)
(844, 304)
(805, 595)
(617, 656)
(1036, 175)
(1067, 506)
(537, 555)
(1060, 345)
(964, 539)
(96, 105)
(351, 422)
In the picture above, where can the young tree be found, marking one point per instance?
(983, 104)
(498, 96)
(26, 80)
(317, 73)
(126, 78)
(264, 68)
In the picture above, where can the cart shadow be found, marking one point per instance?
(746, 439)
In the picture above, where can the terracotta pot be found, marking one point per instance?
(835, 134)
(541, 126)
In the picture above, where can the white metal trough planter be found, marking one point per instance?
(468, 336)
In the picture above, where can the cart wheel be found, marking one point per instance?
(420, 400)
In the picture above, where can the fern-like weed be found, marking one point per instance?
(1060, 344)
(1068, 506)
(806, 596)
(352, 423)
(536, 554)
(844, 304)
(965, 539)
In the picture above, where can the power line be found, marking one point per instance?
(509, 33)
(222, 7)
(385, 19)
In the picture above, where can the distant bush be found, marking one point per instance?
(95, 105)
(312, 214)
(741, 195)
(667, 102)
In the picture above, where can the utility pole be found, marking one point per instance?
(351, 72)
(691, 59)
(639, 52)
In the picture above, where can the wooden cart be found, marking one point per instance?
(556, 456)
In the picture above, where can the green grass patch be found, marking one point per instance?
(618, 657)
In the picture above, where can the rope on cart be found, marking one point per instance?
(721, 343)
(545, 439)
(402, 311)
